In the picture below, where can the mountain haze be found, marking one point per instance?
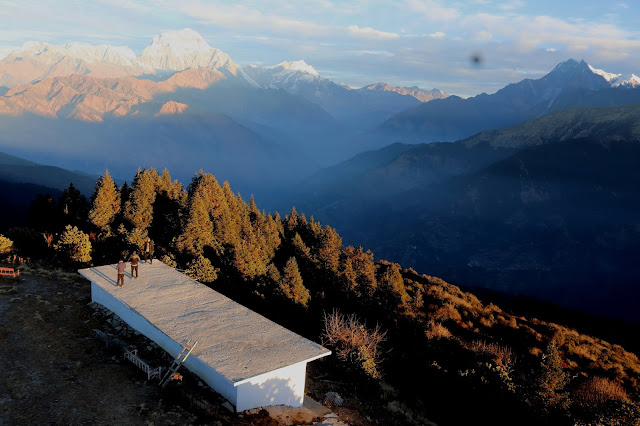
(454, 118)
(537, 209)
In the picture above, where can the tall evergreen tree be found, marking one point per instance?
(197, 232)
(291, 284)
(74, 206)
(106, 203)
(139, 208)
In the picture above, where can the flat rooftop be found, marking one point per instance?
(234, 340)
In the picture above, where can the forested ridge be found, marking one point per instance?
(413, 346)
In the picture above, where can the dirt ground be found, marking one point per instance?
(56, 371)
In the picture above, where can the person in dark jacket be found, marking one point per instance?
(148, 251)
(121, 267)
(134, 259)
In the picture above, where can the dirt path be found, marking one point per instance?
(55, 370)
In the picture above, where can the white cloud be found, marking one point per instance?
(369, 32)
(437, 34)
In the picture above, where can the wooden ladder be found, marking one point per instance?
(181, 358)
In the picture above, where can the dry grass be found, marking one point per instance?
(599, 390)
(501, 355)
(435, 330)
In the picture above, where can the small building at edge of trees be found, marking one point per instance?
(248, 359)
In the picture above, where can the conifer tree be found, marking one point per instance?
(291, 221)
(139, 208)
(74, 206)
(198, 230)
(363, 267)
(330, 245)
(391, 288)
(106, 203)
(551, 380)
(291, 284)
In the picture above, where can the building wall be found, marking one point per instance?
(284, 386)
(214, 379)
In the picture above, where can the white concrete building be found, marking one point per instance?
(248, 359)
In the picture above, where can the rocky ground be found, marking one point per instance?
(57, 370)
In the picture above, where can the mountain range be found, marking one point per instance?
(533, 184)
(547, 208)
(455, 118)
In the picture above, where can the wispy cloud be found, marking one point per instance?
(369, 32)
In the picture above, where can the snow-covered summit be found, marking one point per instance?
(285, 75)
(294, 66)
(183, 49)
(103, 53)
(618, 80)
(626, 80)
(609, 76)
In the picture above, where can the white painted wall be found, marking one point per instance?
(284, 386)
(214, 379)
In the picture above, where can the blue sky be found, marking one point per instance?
(426, 43)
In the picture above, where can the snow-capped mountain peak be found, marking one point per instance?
(618, 80)
(626, 80)
(296, 66)
(609, 76)
(183, 49)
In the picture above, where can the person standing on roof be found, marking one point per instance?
(134, 259)
(121, 267)
(148, 251)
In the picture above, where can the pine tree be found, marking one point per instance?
(106, 203)
(363, 267)
(139, 208)
(291, 221)
(330, 246)
(198, 230)
(74, 206)
(551, 380)
(392, 293)
(291, 284)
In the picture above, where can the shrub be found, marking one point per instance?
(74, 245)
(447, 312)
(354, 343)
(435, 330)
(169, 260)
(202, 270)
(6, 245)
